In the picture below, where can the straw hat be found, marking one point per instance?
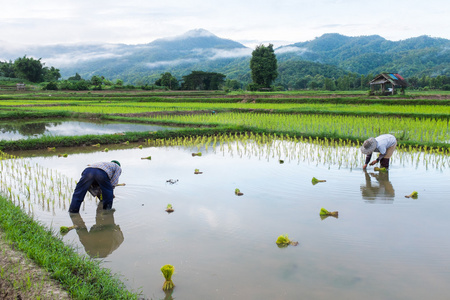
(369, 146)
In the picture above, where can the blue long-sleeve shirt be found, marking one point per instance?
(384, 142)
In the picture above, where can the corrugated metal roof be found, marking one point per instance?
(392, 78)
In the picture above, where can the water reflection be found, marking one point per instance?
(103, 238)
(383, 190)
(19, 129)
(27, 129)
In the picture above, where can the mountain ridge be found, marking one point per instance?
(200, 49)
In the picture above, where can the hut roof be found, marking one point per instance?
(392, 78)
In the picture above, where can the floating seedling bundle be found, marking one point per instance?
(284, 241)
(167, 271)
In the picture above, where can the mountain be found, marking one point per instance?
(418, 56)
(330, 55)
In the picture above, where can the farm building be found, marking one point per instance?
(388, 82)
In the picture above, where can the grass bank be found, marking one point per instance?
(82, 277)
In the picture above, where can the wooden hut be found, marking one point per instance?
(389, 82)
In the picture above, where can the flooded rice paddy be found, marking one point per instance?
(382, 246)
(15, 130)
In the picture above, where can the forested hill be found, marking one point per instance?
(418, 56)
(330, 56)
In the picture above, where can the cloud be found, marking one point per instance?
(77, 57)
(238, 52)
(290, 49)
(171, 63)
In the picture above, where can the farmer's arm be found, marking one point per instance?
(368, 157)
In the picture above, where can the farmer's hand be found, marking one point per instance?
(374, 162)
(365, 167)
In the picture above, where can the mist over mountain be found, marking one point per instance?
(330, 55)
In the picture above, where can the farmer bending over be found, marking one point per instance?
(384, 144)
(105, 175)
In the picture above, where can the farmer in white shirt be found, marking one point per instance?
(384, 144)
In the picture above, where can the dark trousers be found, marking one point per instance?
(88, 177)
(384, 163)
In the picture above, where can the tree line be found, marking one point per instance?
(266, 75)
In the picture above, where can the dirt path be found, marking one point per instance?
(21, 278)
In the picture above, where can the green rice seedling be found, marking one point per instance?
(413, 195)
(140, 146)
(148, 157)
(167, 271)
(316, 181)
(238, 192)
(284, 241)
(383, 169)
(197, 171)
(65, 229)
(169, 208)
(96, 145)
(324, 212)
(197, 154)
(105, 150)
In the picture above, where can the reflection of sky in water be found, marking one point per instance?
(223, 246)
(71, 128)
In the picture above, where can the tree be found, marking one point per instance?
(29, 69)
(199, 80)
(263, 65)
(7, 69)
(77, 77)
(51, 74)
(168, 81)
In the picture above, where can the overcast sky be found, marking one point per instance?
(251, 22)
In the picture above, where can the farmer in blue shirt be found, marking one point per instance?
(384, 144)
(105, 175)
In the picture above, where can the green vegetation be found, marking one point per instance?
(263, 65)
(324, 212)
(82, 277)
(283, 240)
(413, 195)
(316, 181)
(167, 271)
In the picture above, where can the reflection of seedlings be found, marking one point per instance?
(148, 157)
(65, 229)
(413, 195)
(316, 181)
(324, 212)
(167, 271)
(171, 181)
(238, 192)
(169, 208)
(197, 154)
(96, 145)
(379, 169)
(284, 241)
(197, 171)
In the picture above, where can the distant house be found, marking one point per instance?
(20, 86)
(388, 82)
